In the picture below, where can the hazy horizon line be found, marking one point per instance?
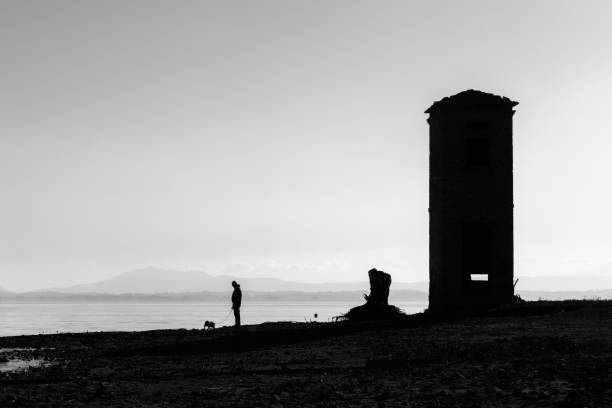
(58, 289)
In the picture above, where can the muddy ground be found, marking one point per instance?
(534, 355)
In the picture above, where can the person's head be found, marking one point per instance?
(235, 284)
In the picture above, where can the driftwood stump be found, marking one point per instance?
(377, 302)
(380, 283)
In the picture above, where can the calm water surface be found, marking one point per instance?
(35, 318)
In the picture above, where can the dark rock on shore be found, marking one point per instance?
(371, 312)
(377, 302)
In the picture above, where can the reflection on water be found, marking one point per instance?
(8, 363)
(35, 318)
(19, 364)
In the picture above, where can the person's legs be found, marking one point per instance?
(237, 316)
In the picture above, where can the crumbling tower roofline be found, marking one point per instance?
(471, 99)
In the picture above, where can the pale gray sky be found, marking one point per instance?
(232, 135)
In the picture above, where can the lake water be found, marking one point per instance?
(35, 318)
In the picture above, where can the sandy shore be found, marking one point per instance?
(539, 355)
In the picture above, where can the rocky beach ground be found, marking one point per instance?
(546, 354)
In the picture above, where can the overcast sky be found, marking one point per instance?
(237, 135)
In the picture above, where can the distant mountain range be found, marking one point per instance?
(558, 283)
(156, 280)
(149, 281)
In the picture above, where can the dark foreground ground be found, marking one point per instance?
(537, 355)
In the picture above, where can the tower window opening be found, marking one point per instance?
(477, 248)
(477, 152)
(476, 124)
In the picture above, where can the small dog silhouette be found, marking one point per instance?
(209, 325)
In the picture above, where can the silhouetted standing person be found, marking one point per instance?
(236, 302)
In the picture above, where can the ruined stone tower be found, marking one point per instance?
(470, 201)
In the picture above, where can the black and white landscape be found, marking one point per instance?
(274, 203)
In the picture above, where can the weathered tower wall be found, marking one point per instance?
(470, 202)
